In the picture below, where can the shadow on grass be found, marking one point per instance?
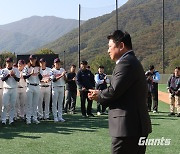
(73, 123)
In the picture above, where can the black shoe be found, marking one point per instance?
(171, 114)
(11, 124)
(84, 116)
(178, 115)
(91, 115)
(3, 124)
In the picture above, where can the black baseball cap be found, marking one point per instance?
(9, 59)
(21, 61)
(42, 60)
(84, 62)
(32, 57)
(57, 60)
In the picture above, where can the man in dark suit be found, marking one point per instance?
(126, 97)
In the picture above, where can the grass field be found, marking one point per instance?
(162, 87)
(82, 135)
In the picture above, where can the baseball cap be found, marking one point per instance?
(57, 60)
(21, 61)
(84, 62)
(9, 59)
(42, 60)
(32, 57)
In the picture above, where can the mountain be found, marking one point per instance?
(33, 32)
(142, 19)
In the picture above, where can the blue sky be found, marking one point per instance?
(13, 10)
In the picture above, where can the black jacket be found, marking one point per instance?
(85, 79)
(126, 98)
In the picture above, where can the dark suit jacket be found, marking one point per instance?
(126, 97)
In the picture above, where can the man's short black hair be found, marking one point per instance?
(178, 68)
(84, 62)
(101, 66)
(118, 36)
(151, 67)
(73, 66)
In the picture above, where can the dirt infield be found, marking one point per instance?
(162, 96)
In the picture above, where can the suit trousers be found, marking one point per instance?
(84, 96)
(127, 145)
(155, 96)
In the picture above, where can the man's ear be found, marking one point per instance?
(121, 46)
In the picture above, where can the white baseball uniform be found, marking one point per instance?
(45, 92)
(9, 93)
(21, 97)
(32, 92)
(1, 94)
(57, 93)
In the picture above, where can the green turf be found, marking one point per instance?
(162, 87)
(81, 135)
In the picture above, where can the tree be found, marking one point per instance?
(45, 51)
(5, 55)
(102, 60)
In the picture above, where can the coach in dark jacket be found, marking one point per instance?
(126, 97)
(85, 81)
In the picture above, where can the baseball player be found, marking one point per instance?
(45, 90)
(58, 78)
(1, 92)
(10, 76)
(32, 75)
(21, 96)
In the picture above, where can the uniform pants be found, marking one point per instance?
(70, 100)
(84, 96)
(9, 102)
(127, 145)
(32, 101)
(57, 101)
(45, 93)
(21, 102)
(174, 100)
(1, 94)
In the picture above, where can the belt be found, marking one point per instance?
(33, 84)
(20, 87)
(44, 85)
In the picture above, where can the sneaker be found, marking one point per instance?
(55, 120)
(3, 123)
(61, 120)
(171, 114)
(98, 113)
(84, 115)
(36, 121)
(28, 122)
(178, 115)
(11, 123)
(154, 111)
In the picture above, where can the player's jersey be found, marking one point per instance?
(46, 76)
(33, 79)
(10, 82)
(22, 82)
(56, 73)
(1, 82)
